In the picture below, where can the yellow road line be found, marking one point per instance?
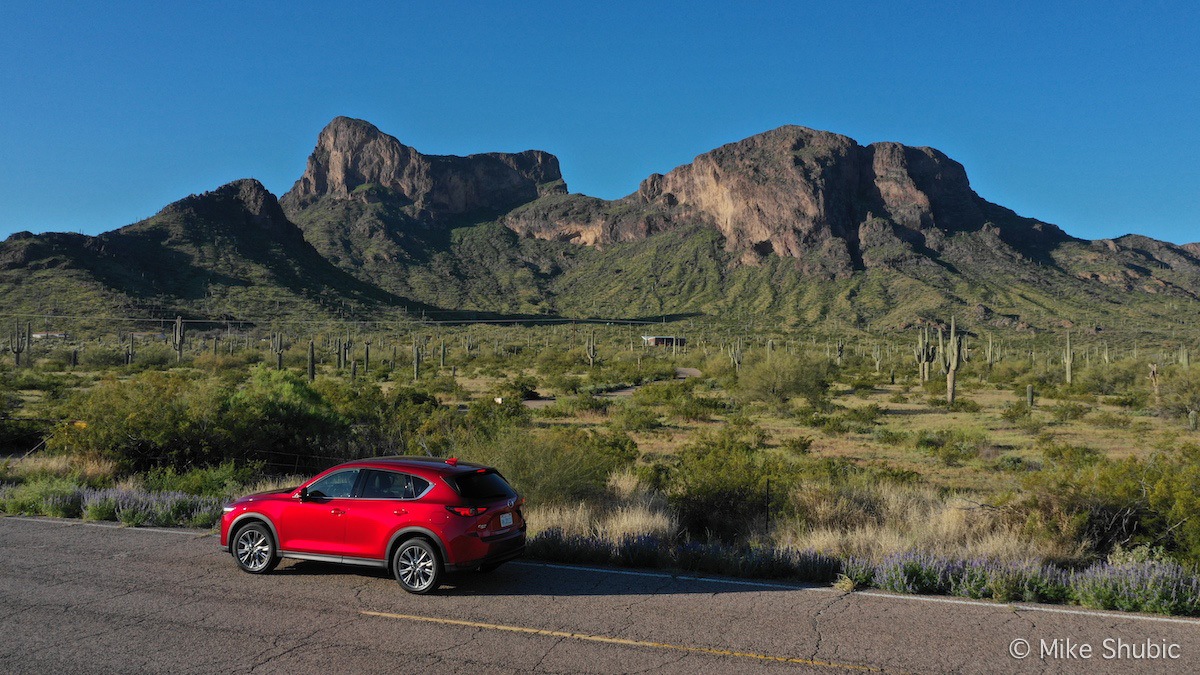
(623, 641)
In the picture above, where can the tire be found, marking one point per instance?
(253, 548)
(417, 566)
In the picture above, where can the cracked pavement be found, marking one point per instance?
(78, 597)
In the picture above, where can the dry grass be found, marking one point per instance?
(633, 511)
(83, 468)
(875, 521)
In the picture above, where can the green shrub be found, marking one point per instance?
(1064, 412)
(800, 445)
(784, 377)
(1135, 400)
(1013, 463)
(719, 488)
(1181, 392)
(890, 437)
(951, 446)
(864, 415)
(558, 465)
(1016, 412)
(1071, 455)
(101, 357)
(521, 387)
(43, 496)
(1107, 420)
(631, 416)
(222, 480)
(574, 405)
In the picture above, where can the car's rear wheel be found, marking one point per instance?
(417, 566)
(254, 549)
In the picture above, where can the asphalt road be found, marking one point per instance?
(84, 598)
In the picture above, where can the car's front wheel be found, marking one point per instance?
(254, 549)
(417, 566)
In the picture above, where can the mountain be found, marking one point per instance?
(791, 227)
(227, 253)
(794, 192)
(354, 160)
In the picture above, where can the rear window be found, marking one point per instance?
(488, 485)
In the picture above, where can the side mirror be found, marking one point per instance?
(302, 495)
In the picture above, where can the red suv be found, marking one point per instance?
(417, 516)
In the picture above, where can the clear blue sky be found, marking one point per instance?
(1086, 115)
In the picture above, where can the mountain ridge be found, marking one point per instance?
(795, 225)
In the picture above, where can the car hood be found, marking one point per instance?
(261, 495)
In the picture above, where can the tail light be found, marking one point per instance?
(466, 511)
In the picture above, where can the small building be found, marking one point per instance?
(50, 336)
(663, 341)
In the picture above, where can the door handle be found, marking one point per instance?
(336, 512)
(400, 512)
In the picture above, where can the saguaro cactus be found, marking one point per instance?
(367, 356)
(312, 361)
(590, 349)
(1068, 359)
(279, 346)
(735, 355)
(416, 359)
(18, 342)
(953, 359)
(925, 353)
(177, 338)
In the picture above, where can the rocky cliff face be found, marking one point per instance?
(798, 193)
(354, 160)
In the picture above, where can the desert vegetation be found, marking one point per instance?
(998, 465)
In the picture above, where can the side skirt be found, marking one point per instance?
(316, 557)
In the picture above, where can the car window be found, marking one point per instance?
(415, 487)
(483, 484)
(392, 485)
(335, 485)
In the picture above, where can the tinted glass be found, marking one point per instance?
(392, 485)
(335, 485)
(415, 487)
(483, 486)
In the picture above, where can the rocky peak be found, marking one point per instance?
(355, 160)
(800, 193)
(245, 202)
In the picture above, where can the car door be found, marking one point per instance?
(384, 507)
(317, 524)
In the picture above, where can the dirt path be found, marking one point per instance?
(680, 374)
